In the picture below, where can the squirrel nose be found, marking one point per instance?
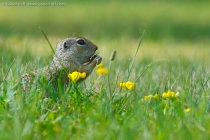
(96, 48)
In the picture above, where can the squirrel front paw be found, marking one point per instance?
(97, 59)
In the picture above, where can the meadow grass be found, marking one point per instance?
(99, 108)
(174, 55)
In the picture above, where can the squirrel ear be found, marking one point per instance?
(65, 45)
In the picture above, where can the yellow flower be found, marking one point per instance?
(101, 70)
(127, 85)
(170, 94)
(123, 85)
(165, 95)
(130, 85)
(146, 98)
(155, 96)
(75, 76)
(187, 110)
(100, 65)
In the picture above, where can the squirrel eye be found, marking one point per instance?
(81, 42)
(65, 45)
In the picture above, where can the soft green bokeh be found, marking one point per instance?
(174, 20)
(170, 26)
(180, 28)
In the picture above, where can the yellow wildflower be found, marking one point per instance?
(165, 95)
(127, 85)
(75, 76)
(155, 96)
(187, 110)
(123, 85)
(130, 85)
(100, 65)
(169, 94)
(146, 98)
(101, 70)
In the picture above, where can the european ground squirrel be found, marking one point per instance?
(72, 54)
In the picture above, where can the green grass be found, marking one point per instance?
(90, 111)
(174, 55)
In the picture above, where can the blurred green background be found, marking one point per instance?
(172, 28)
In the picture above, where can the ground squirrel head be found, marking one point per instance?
(76, 49)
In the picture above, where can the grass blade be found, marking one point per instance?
(130, 68)
(47, 40)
